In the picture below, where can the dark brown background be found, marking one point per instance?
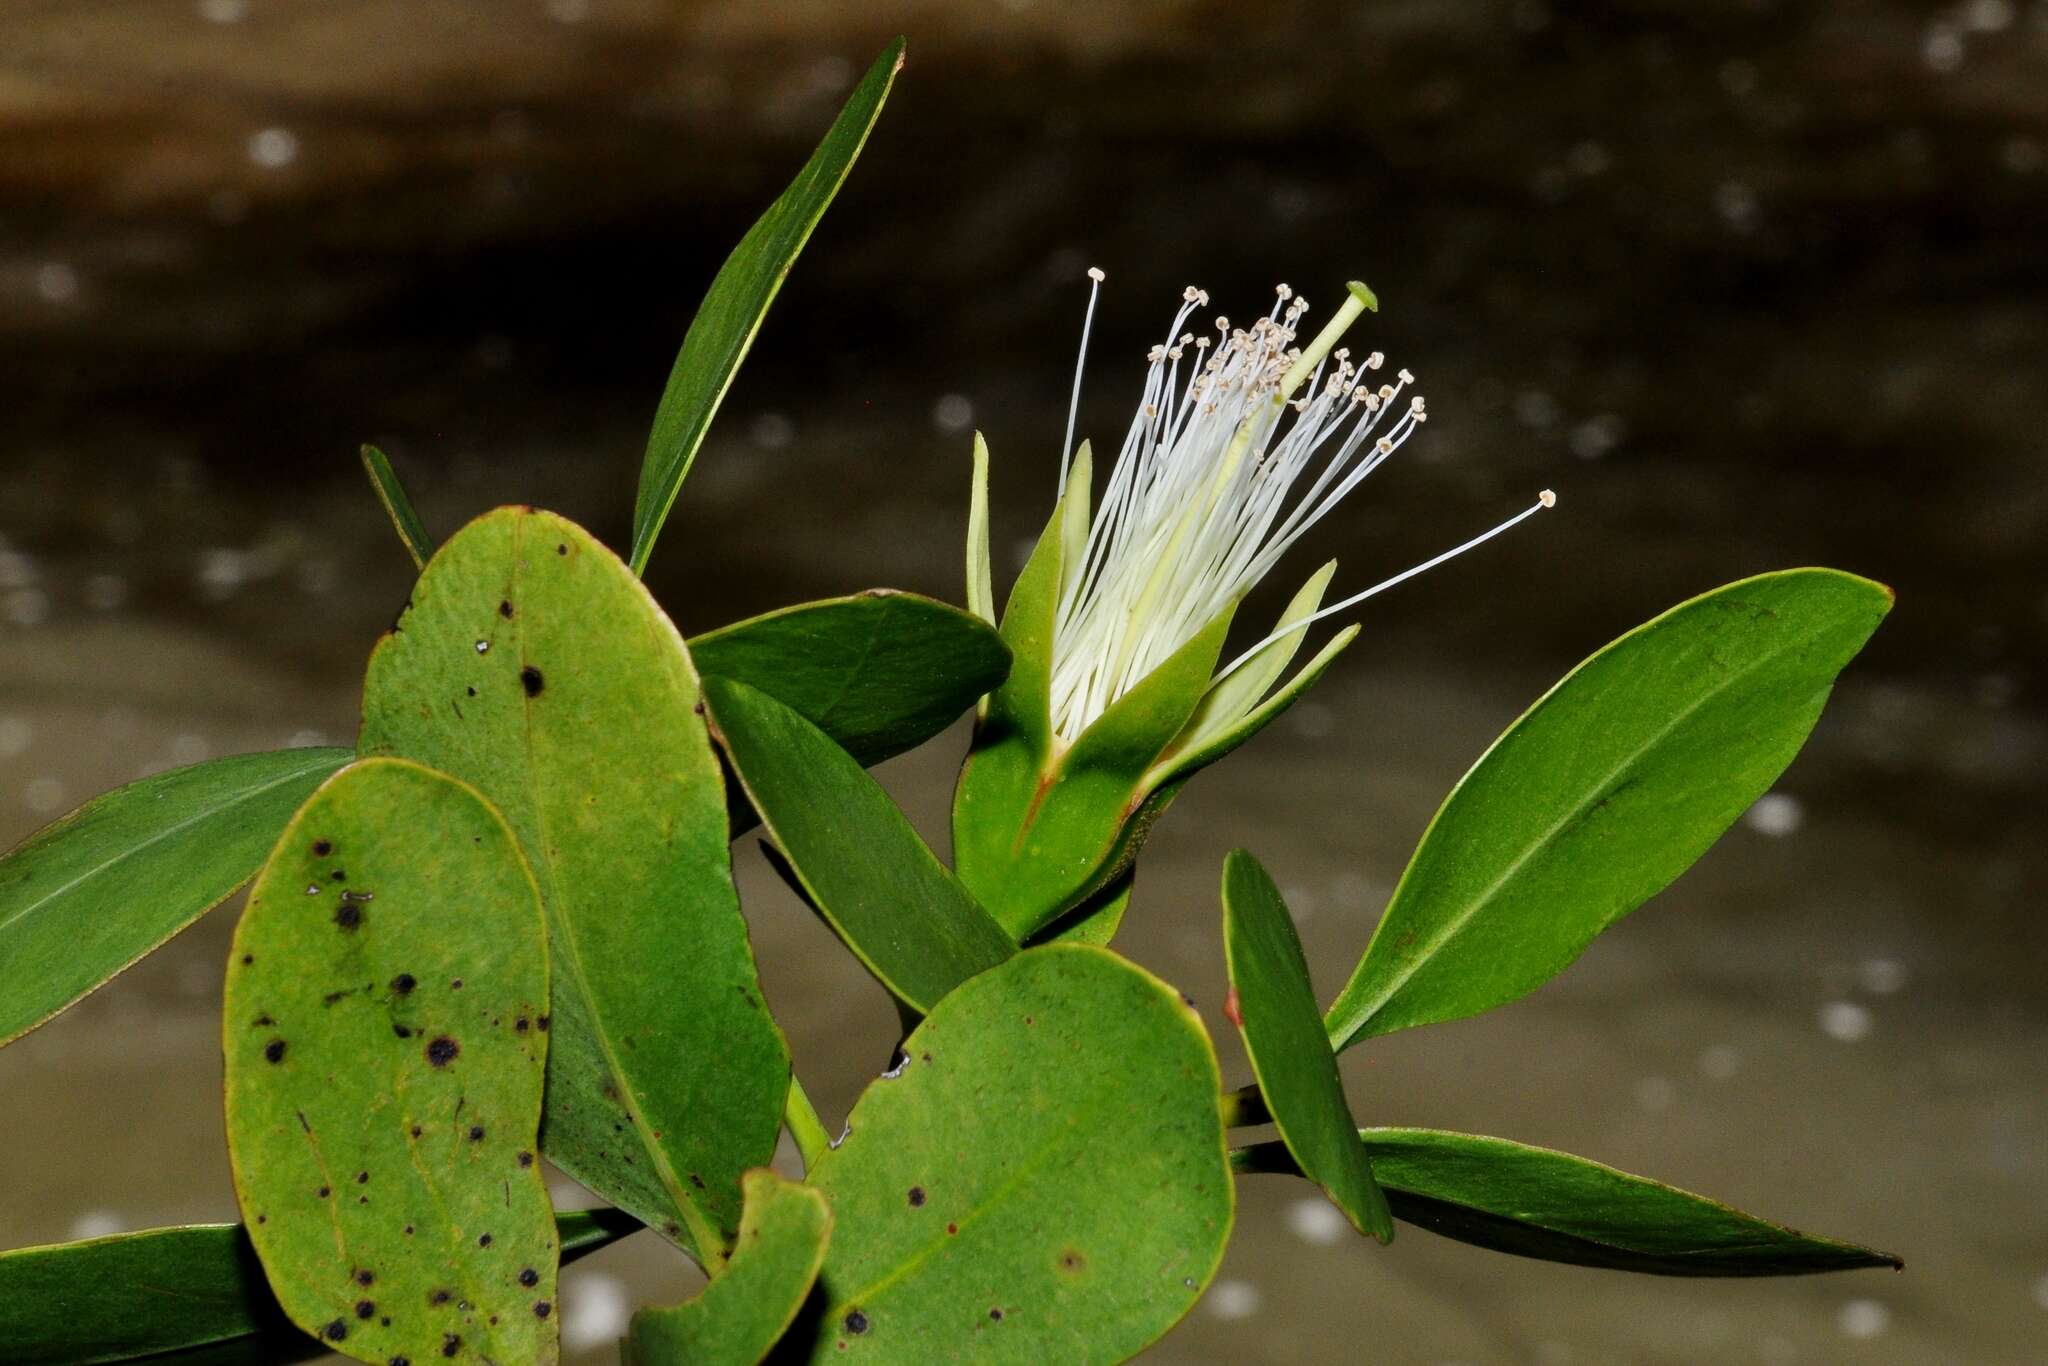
(1750, 284)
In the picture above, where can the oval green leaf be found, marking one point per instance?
(1290, 1054)
(880, 672)
(91, 893)
(382, 1033)
(1044, 1179)
(740, 1316)
(179, 1297)
(859, 862)
(533, 665)
(1535, 1202)
(1603, 792)
(738, 299)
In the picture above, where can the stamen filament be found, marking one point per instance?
(1546, 499)
(1095, 278)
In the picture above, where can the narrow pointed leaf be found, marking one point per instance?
(904, 915)
(86, 896)
(398, 507)
(1536, 1202)
(535, 666)
(1603, 792)
(1290, 1054)
(1044, 1181)
(981, 592)
(738, 299)
(179, 1297)
(739, 1317)
(1229, 700)
(384, 1055)
(880, 672)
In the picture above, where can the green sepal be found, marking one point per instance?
(1096, 920)
(1177, 766)
(1013, 740)
(1229, 700)
(981, 592)
(1062, 843)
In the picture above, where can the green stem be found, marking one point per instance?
(1245, 1107)
(805, 1127)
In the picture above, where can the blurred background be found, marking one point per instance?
(1751, 284)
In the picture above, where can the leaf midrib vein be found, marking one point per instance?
(1456, 924)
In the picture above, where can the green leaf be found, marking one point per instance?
(904, 915)
(1533, 1202)
(1603, 792)
(1290, 1054)
(738, 299)
(381, 1028)
(404, 519)
(880, 672)
(740, 1316)
(1045, 1180)
(981, 593)
(533, 665)
(86, 896)
(179, 1297)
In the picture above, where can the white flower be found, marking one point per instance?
(1201, 502)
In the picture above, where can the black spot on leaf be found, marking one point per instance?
(529, 1277)
(450, 1344)
(335, 1331)
(403, 983)
(441, 1050)
(348, 915)
(322, 848)
(365, 1309)
(483, 1240)
(856, 1322)
(541, 1309)
(526, 1159)
(916, 1197)
(274, 1051)
(505, 610)
(476, 1133)
(531, 680)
